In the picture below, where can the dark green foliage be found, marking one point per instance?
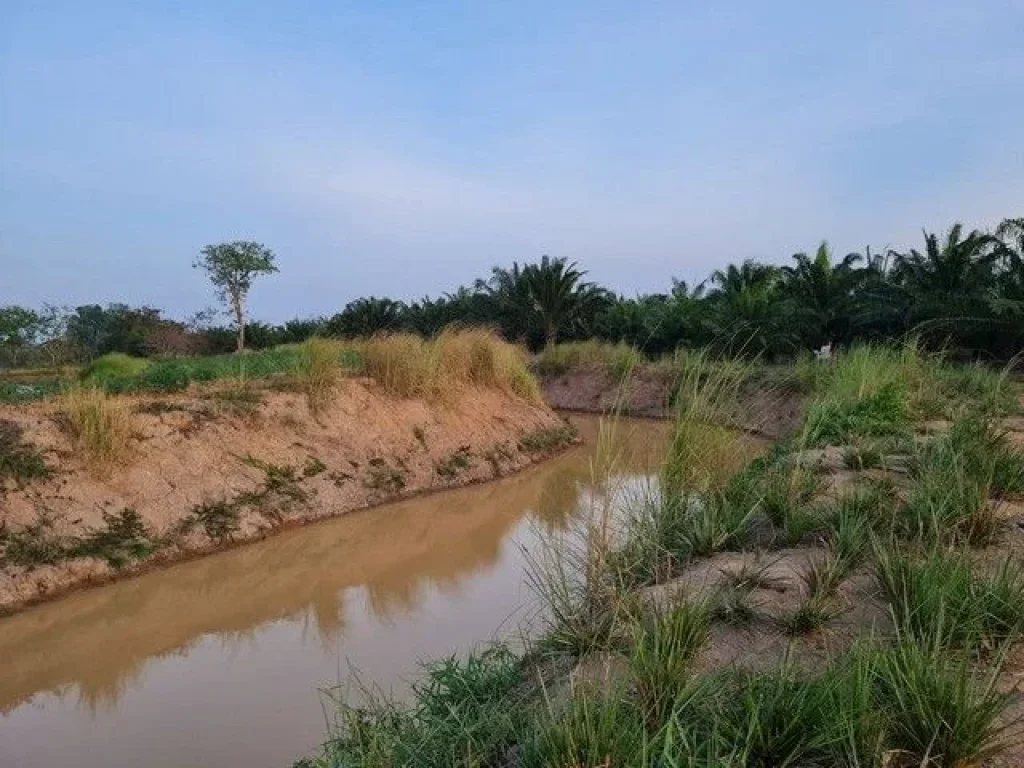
(123, 537)
(883, 413)
(548, 438)
(219, 519)
(381, 476)
(32, 545)
(465, 714)
(19, 460)
(454, 464)
(165, 376)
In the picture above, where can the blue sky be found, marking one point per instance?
(403, 148)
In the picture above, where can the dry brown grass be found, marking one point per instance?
(439, 369)
(101, 424)
(320, 371)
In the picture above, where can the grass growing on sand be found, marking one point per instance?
(101, 425)
(617, 360)
(919, 689)
(406, 365)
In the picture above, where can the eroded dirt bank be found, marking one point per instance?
(204, 474)
(766, 410)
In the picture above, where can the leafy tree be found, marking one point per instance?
(19, 328)
(232, 267)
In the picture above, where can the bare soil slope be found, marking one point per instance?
(202, 475)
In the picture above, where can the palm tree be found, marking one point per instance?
(750, 313)
(367, 316)
(824, 292)
(549, 297)
(953, 278)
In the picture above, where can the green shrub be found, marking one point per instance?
(164, 376)
(112, 368)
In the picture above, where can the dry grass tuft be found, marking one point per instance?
(439, 369)
(101, 424)
(319, 371)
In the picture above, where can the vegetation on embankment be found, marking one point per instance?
(960, 290)
(853, 597)
(96, 484)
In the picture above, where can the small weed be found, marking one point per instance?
(381, 476)
(453, 465)
(734, 606)
(313, 467)
(123, 537)
(33, 544)
(751, 576)
(862, 456)
(19, 460)
(219, 519)
(548, 438)
(823, 577)
(812, 616)
(158, 407)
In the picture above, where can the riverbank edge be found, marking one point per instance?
(51, 582)
(768, 411)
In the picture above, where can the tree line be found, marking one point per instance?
(963, 291)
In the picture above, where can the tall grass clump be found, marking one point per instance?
(407, 366)
(465, 713)
(617, 359)
(867, 393)
(955, 477)
(938, 712)
(101, 424)
(319, 371)
(704, 503)
(661, 660)
(940, 600)
(593, 731)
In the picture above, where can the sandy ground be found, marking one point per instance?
(769, 412)
(365, 449)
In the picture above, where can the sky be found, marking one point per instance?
(404, 148)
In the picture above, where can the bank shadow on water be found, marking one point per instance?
(93, 646)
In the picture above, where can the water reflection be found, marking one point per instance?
(390, 583)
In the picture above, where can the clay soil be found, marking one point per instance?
(192, 450)
(770, 412)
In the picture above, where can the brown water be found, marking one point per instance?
(218, 662)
